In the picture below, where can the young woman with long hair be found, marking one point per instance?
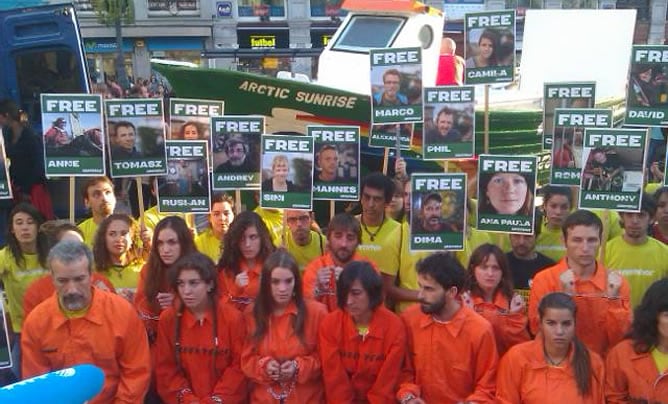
(199, 339)
(172, 239)
(247, 245)
(556, 364)
(636, 368)
(280, 356)
(117, 253)
(489, 286)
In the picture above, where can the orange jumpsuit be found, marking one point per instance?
(449, 362)
(238, 296)
(360, 369)
(149, 313)
(601, 322)
(525, 377)
(200, 371)
(281, 343)
(509, 328)
(632, 377)
(310, 279)
(109, 335)
(40, 290)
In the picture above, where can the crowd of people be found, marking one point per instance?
(264, 306)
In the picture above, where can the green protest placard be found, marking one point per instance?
(449, 124)
(136, 130)
(396, 89)
(612, 169)
(438, 211)
(5, 352)
(490, 50)
(287, 172)
(564, 95)
(185, 188)
(337, 162)
(235, 150)
(74, 136)
(191, 119)
(647, 91)
(5, 186)
(569, 125)
(506, 193)
(385, 135)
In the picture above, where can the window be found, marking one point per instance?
(262, 8)
(643, 13)
(365, 32)
(327, 8)
(514, 4)
(567, 4)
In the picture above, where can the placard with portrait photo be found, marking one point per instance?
(385, 135)
(438, 211)
(190, 119)
(136, 130)
(647, 89)
(490, 47)
(337, 162)
(185, 188)
(506, 193)
(5, 186)
(564, 95)
(449, 122)
(74, 136)
(287, 172)
(613, 164)
(236, 150)
(396, 85)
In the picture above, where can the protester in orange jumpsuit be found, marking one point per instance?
(199, 340)
(280, 355)
(344, 233)
(637, 368)
(489, 285)
(362, 344)
(452, 355)
(82, 324)
(555, 367)
(602, 297)
(247, 244)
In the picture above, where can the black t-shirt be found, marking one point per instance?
(524, 270)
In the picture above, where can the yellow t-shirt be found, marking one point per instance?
(88, 228)
(661, 360)
(125, 278)
(16, 282)
(273, 219)
(152, 217)
(549, 243)
(474, 239)
(408, 267)
(641, 265)
(384, 249)
(613, 223)
(208, 244)
(307, 253)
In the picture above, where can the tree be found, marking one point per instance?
(116, 13)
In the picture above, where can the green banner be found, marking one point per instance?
(287, 167)
(564, 95)
(613, 167)
(506, 193)
(74, 139)
(337, 161)
(490, 50)
(235, 150)
(136, 130)
(185, 188)
(449, 126)
(438, 207)
(190, 119)
(647, 90)
(386, 136)
(569, 125)
(396, 77)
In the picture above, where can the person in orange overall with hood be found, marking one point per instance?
(602, 297)
(637, 368)
(344, 233)
(452, 354)
(362, 344)
(83, 324)
(280, 356)
(489, 285)
(247, 244)
(199, 340)
(555, 367)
